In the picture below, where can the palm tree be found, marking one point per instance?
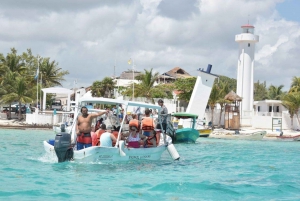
(96, 89)
(274, 93)
(295, 86)
(223, 87)
(19, 94)
(7, 87)
(50, 73)
(103, 88)
(291, 101)
(146, 87)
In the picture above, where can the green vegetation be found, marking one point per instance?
(17, 72)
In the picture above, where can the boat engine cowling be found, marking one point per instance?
(63, 147)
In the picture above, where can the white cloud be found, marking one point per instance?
(88, 39)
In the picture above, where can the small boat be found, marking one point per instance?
(288, 137)
(189, 134)
(237, 135)
(204, 132)
(64, 150)
(66, 123)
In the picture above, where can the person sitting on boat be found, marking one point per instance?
(135, 122)
(84, 128)
(134, 138)
(99, 132)
(147, 127)
(107, 138)
(98, 124)
(163, 115)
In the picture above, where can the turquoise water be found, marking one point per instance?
(211, 169)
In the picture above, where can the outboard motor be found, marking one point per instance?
(62, 127)
(63, 148)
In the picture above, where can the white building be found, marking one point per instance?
(245, 66)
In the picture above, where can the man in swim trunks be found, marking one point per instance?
(84, 128)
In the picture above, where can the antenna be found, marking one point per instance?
(248, 18)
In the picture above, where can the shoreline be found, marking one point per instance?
(16, 124)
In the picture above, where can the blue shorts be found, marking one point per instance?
(82, 145)
(147, 133)
(120, 116)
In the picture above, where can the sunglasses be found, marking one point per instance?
(133, 129)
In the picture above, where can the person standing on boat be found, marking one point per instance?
(163, 115)
(84, 128)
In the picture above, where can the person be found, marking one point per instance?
(163, 114)
(98, 124)
(135, 122)
(107, 138)
(99, 132)
(115, 110)
(84, 128)
(134, 138)
(119, 112)
(147, 126)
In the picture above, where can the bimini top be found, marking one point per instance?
(145, 105)
(108, 101)
(247, 26)
(184, 115)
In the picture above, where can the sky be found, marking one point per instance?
(94, 39)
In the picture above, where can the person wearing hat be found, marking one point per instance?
(163, 115)
(107, 138)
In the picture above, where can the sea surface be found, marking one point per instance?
(211, 169)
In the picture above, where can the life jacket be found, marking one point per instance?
(98, 134)
(147, 124)
(115, 133)
(84, 138)
(94, 138)
(135, 122)
(148, 142)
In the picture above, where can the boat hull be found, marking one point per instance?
(204, 132)
(288, 138)
(112, 154)
(186, 135)
(242, 136)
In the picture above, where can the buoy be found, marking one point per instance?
(121, 148)
(173, 152)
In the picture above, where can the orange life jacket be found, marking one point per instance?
(136, 123)
(147, 124)
(84, 138)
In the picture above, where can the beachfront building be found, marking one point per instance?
(245, 67)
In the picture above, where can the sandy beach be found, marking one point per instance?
(16, 124)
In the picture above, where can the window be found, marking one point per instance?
(248, 44)
(270, 108)
(277, 108)
(258, 108)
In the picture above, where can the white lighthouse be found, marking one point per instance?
(246, 41)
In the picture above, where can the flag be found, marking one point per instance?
(37, 73)
(129, 61)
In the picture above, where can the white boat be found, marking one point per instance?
(288, 138)
(63, 147)
(240, 135)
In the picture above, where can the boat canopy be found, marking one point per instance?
(145, 105)
(184, 115)
(107, 101)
